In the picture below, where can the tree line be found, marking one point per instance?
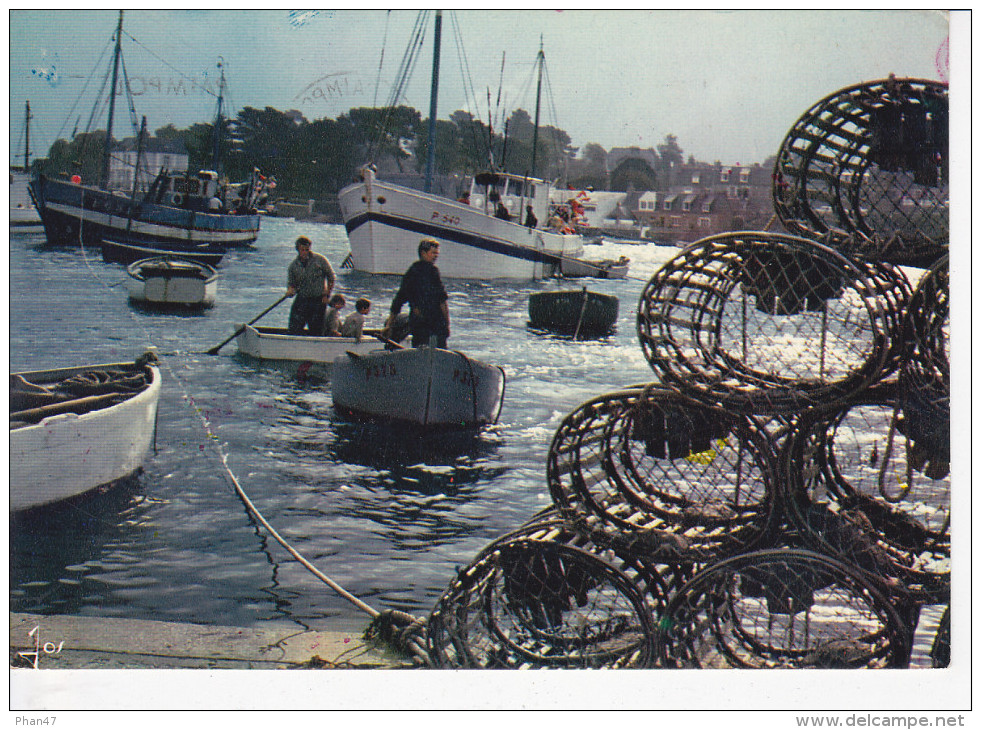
(315, 159)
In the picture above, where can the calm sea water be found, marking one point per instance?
(388, 516)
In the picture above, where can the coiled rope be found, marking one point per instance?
(400, 630)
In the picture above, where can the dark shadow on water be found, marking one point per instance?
(168, 310)
(47, 542)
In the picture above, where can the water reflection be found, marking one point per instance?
(59, 545)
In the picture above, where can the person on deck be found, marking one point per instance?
(354, 323)
(502, 212)
(531, 220)
(422, 288)
(332, 321)
(310, 278)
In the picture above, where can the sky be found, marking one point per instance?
(728, 84)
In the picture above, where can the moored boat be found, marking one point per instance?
(75, 429)
(482, 238)
(420, 386)
(172, 281)
(126, 253)
(176, 208)
(576, 312)
(597, 269)
(316, 354)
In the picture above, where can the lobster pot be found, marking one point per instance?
(784, 608)
(865, 170)
(763, 323)
(855, 490)
(543, 596)
(662, 477)
(924, 378)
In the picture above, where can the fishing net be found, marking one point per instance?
(866, 170)
(766, 323)
(781, 609)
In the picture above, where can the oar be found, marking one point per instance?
(384, 339)
(240, 330)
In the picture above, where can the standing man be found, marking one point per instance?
(311, 278)
(422, 288)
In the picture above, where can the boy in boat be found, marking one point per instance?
(332, 322)
(422, 288)
(354, 324)
(311, 278)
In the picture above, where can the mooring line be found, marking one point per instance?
(412, 625)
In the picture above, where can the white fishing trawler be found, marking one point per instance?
(482, 238)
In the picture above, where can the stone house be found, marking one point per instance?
(169, 154)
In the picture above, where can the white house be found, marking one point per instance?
(169, 154)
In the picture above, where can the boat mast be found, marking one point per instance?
(27, 137)
(538, 104)
(431, 157)
(219, 127)
(136, 173)
(112, 102)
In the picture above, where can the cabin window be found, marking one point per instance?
(695, 179)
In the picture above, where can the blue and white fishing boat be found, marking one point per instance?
(176, 209)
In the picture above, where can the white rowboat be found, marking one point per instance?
(172, 281)
(317, 354)
(75, 429)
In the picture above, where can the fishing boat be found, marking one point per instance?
(420, 386)
(171, 281)
(22, 210)
(314, 354)
(176, 208)
(75, 429)
(126, 253)
(576, 312)
(385, 221)
(597, 269)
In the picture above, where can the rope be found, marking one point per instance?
(407, 637)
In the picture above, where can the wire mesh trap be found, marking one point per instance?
(544, 596)
(866, 170)
(662, 477)
(765, 323)
(924, 379)
(781, 609)
(858, 491)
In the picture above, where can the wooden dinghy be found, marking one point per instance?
(75, 429)
(422, 386)
(119, 252)
(597, 269)
(315, 354)
(575, 312)
(172, 281)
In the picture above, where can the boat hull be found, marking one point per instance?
(171, 281)
(22, 210)
(573, 312)
(602, 269)
(128, 253)
(83, 215)
(385, 223)
(67, 455)
(422, 386)
(315, 354)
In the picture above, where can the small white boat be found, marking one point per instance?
(172, 281)
(597, 269)
(421, 386)
(318, 353)
(75, 429)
